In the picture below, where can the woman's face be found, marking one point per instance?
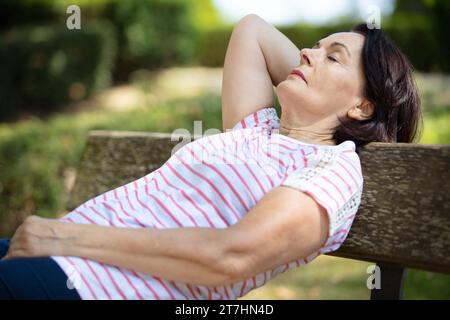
(333, 80)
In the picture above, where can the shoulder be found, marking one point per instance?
(334, 180)
(338, 165)
(350, 162)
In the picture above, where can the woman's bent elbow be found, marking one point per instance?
(234, 269)
(249, 21)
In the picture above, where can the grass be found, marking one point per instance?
(39, 156)
(335, 278)
(323, 278)
(437, 126)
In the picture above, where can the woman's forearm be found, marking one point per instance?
(191, 255)
(280, 53)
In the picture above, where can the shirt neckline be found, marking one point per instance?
(343, 144)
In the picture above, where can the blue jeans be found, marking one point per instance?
(32, 279)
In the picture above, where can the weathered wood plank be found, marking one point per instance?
(404, 217)
(111, 159)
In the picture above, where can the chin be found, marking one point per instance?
(289, 93)
(293, 86)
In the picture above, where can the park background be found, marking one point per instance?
(156, 66)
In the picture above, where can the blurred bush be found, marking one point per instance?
(419, 27)
(413, 38)
(422, 28)
(212, 43)
(14, 13)
(211, 47)
(153, 34)
(46, 67)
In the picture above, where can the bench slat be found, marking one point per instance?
(404, 217)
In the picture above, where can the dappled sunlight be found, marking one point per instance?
(179, 82)
(124, 98)
(148, 89)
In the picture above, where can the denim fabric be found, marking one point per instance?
(32, 279)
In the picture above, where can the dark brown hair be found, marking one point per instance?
(391, 88)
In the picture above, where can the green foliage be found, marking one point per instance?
(437, 126)
(422, 28)
(205, 15)
(335, 278)
(414, 35)
(154, 33)
(212, 43)
(414, 41)
(211, 47)
(46, 67)
(426, 285)
(15, 13)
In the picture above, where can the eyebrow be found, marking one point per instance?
(336, 44)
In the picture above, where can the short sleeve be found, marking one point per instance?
(266, 117)
(335, 182)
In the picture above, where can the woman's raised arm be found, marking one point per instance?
(258, 57)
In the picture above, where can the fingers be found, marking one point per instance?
(14, 255)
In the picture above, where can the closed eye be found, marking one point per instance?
(332, 59)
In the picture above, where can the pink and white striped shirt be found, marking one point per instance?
(213, 182)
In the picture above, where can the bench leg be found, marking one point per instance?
(392, 278)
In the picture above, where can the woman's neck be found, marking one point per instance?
(306, 134)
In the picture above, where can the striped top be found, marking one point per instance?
(213, 182)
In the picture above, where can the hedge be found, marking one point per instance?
(46, 67)
(416, 40)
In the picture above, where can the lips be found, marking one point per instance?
(299, 73)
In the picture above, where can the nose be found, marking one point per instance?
(306, 57)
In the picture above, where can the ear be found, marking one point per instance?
(362, 111)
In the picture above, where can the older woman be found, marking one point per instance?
(228, 212)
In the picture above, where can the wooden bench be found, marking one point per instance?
(404, 217)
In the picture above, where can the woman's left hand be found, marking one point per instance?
(38, 237)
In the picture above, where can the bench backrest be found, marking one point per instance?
(404, 217)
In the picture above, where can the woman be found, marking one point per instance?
(228, 212)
